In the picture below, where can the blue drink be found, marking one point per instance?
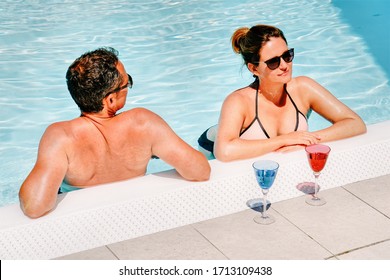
(265, 172)
(265, 178)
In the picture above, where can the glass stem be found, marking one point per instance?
(265, 192)
(316, 175)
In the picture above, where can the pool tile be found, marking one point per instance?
(183, 243)
(239, 237)
(379, 251)
(100, 253)
(375, 192)
(345, 222)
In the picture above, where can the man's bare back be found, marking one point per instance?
(102, 146)
(113, 146)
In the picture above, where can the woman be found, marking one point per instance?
(271, 113)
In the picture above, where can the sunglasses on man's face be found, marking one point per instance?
(274, 62)
(129, 85)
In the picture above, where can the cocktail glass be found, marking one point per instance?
(265, 173)
(317, 156)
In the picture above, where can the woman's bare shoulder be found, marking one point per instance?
(238, 96)
(302, 81)
(302, 85)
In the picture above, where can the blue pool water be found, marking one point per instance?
(179, 55)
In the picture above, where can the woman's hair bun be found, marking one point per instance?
(237, 38)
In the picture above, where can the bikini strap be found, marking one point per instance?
(257, 116)
(292, 101)
(256, 98)
(296, 108)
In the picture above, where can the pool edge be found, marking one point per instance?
(115, 212)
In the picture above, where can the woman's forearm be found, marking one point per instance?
(343, 129)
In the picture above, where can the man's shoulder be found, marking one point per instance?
(58, 127)
(141, 120)
(58, 133)
(139, 111)
(140, 114)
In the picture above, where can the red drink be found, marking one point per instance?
(317, 156)
(317, 161)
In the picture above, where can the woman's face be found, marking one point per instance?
(274, 48)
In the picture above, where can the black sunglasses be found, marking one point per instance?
(129, 85)
(274, 62)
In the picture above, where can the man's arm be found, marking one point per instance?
(168, 146)
(38, 193)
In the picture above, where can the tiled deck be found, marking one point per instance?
(354, 224)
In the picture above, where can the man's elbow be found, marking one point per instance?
(199, 170)
(33, 214)
(33, 211)
(205, 174)
(202, 174)
(363, 128)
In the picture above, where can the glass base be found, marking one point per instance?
(266, 220)
(315, 201)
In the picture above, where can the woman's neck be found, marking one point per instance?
(273, 92)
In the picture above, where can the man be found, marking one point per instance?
(101, 146)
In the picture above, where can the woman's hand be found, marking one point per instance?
(292, 148)
(297, 140)
(304, 138)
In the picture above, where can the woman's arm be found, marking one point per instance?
(345, 122)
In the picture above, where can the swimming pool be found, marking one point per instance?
(179, 55)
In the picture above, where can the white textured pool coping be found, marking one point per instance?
(115, 212)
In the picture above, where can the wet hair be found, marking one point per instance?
(91, 76)
(249, 41)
